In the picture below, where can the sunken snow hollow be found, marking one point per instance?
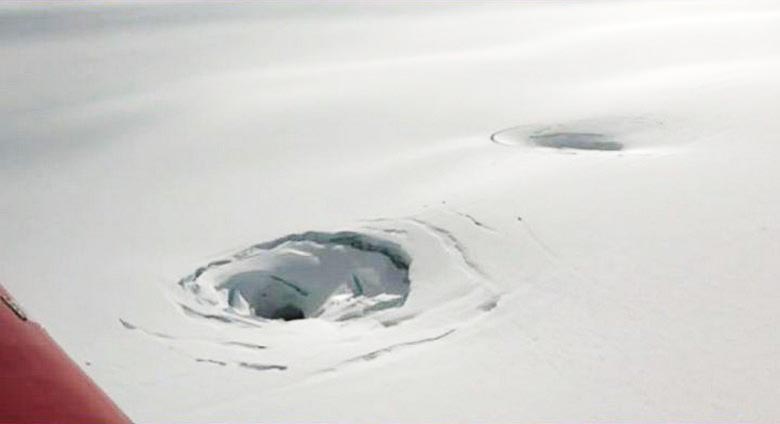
(334, 276)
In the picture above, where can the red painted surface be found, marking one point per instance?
(38, 382)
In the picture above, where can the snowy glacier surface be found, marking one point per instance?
(400, 212)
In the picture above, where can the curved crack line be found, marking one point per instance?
(385, 350)
(475, 221)
(261, 367)
(245, 345)
(226, 319)
(454, 243)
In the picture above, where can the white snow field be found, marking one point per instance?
(400, 212)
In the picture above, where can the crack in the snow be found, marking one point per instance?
(454, 243)
(379, 352)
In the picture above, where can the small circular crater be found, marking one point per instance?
(604, 134)
(558, 138)
(576, 140)
(334, 276)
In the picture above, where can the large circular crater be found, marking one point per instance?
(334, 276)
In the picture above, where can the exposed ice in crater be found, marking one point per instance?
(576, 140)
(333, 276)
(558, 138)
(605, 134)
